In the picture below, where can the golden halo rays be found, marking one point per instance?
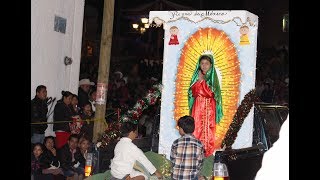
(225, 61)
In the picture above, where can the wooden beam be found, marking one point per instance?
(104, 66)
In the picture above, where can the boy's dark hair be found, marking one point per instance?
(40, 87)
(127, 127)
(73, 136)
(187, 124)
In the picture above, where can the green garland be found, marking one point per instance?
(151, 98)
(110, 134)
(242, 112)
(113, 131)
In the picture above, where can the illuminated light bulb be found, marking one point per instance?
(144, 20)
(135, 26)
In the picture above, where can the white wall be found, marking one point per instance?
(48, 47)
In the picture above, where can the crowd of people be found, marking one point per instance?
(272, 76)
(125, 88)
(49, 163)
(63, 155)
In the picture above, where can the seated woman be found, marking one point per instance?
(36, 163)
(50, 163)
(84, 145)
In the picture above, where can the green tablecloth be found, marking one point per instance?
(163, 165)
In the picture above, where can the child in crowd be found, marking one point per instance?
(187, 152)
(35, 160)
(86, 115)
(126, 154)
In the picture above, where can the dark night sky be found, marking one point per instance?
(270, 13)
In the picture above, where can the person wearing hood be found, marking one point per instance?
(205, 102)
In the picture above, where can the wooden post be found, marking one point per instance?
(104, 66)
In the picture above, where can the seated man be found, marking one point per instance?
(72, 161)
(126, 154)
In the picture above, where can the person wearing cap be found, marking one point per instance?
(83, 91)
(118, 75)
(117, 78)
